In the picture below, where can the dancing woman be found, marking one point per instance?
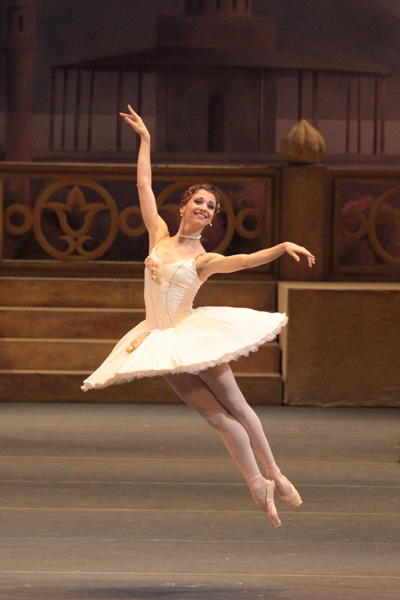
(192, 347)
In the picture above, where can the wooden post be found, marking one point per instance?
(78, 96)
(302, 219)
(52, 108)
(348, 114)
(261, 101)
(315, 114)
(90, 111)
(139, 102)
(167, 111)
(120, 91)
(300, 96)
(383, 113)
(64, 108)
(359, 115)
(376, 113)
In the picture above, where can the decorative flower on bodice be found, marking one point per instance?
(154, 269)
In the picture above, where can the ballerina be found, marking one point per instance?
(190, 347)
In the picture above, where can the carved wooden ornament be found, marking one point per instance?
(303, 144)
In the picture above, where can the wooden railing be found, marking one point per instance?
(85, 219)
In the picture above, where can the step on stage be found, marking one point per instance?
(55, 331)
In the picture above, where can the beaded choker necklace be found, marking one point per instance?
(189, 237)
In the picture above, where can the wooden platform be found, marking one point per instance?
(343, 344)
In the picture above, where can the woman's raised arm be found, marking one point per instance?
(155, 225)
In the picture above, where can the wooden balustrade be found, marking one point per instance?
(81, 218)
(85, 219)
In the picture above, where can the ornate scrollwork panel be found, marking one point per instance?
(75, 238)
(369, 226)
(78, 219)
(393, 214)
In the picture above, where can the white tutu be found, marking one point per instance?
(176, 338)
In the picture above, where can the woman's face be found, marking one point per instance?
(200, 208)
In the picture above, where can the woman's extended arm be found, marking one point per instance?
(155, 225)
(210, 263)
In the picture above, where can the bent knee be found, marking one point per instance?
(216, 420)
(237, 407)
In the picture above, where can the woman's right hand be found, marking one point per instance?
(136, 122)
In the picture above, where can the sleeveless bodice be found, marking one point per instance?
(169, 290)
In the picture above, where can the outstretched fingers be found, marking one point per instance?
(134, 121)
(310, 257)
(295, 250)
(132, 115)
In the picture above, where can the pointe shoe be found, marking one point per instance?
(266, 501)
(293, 499)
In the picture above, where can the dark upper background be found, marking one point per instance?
(361, 30)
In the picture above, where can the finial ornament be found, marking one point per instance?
(303, 144)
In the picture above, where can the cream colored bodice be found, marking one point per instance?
(169, 290)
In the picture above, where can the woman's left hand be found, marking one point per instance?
(294, 250)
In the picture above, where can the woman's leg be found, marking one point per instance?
(221, 382)
(194, 392)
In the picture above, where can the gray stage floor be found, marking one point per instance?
(143, 502)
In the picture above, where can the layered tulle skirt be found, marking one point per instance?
(207, 337)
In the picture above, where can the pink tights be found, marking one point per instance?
(215, 394)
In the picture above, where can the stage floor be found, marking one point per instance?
(129, 502)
